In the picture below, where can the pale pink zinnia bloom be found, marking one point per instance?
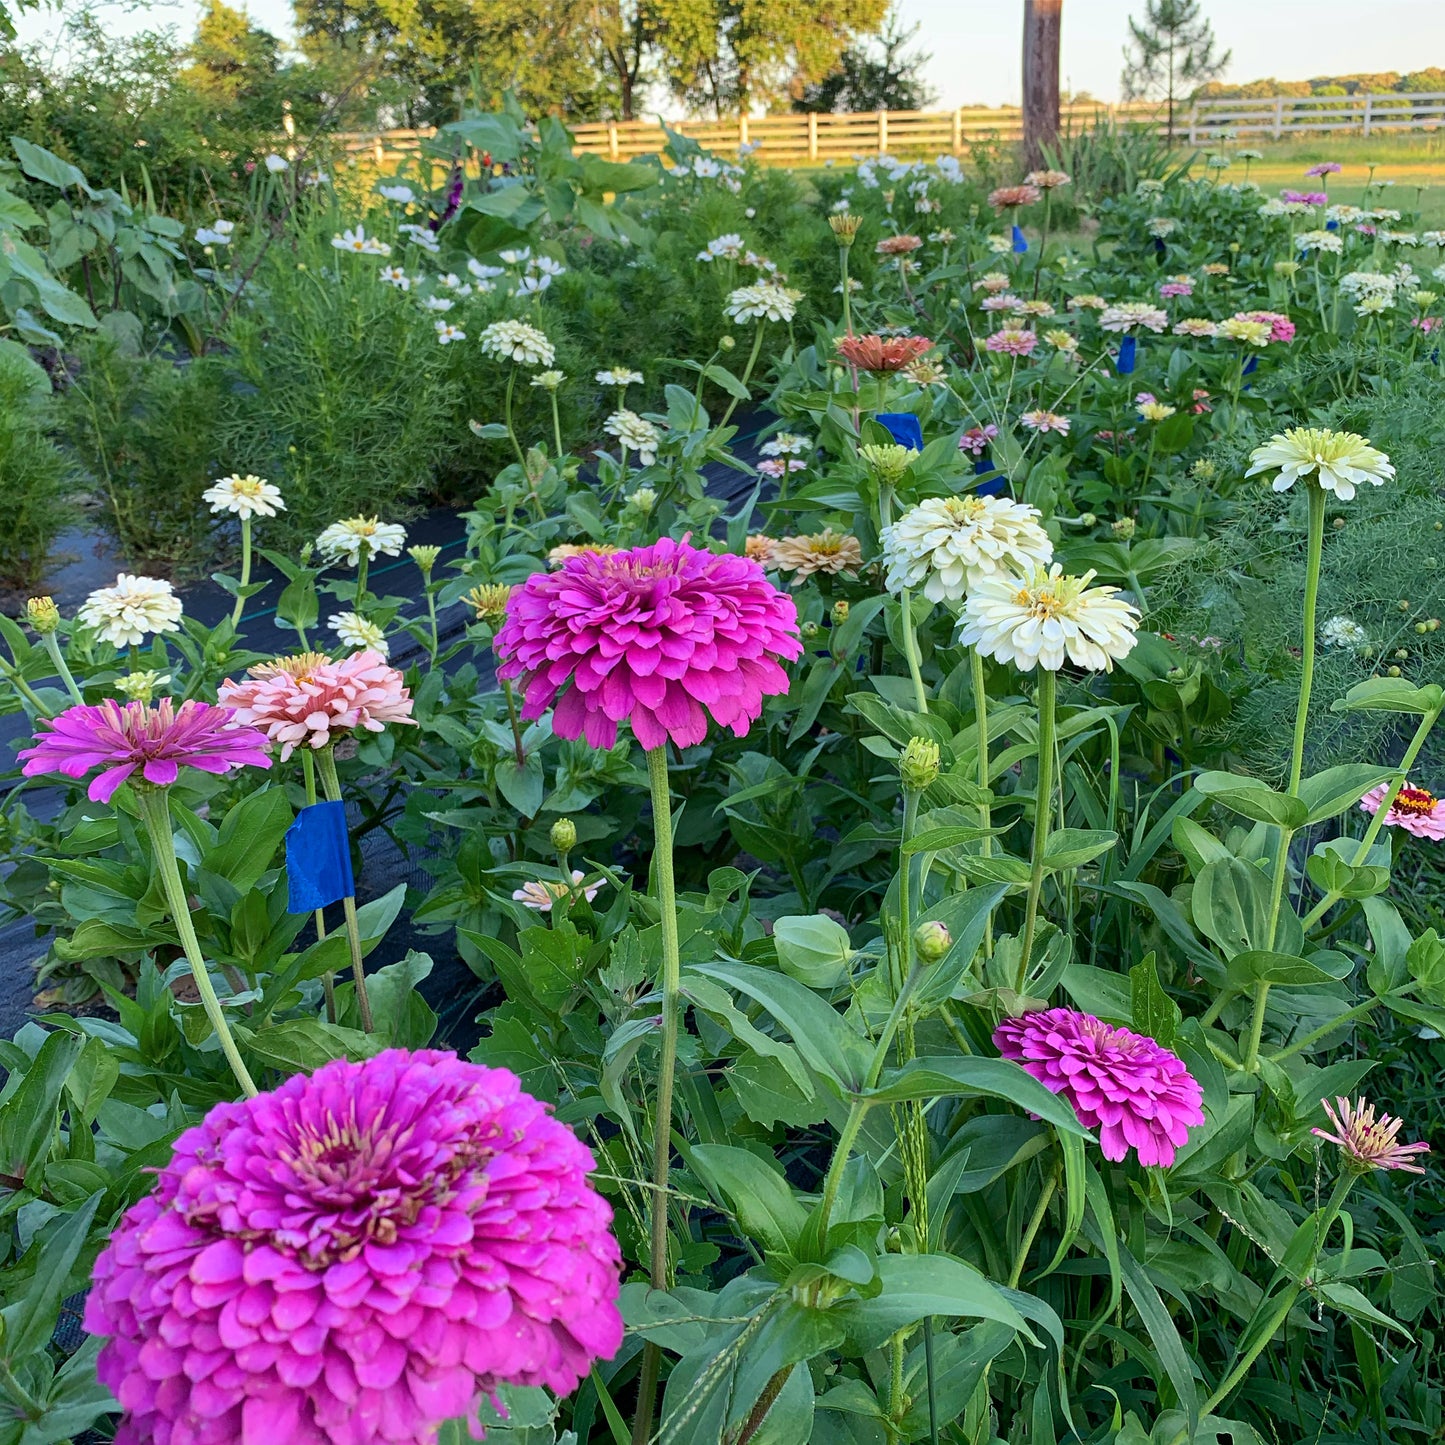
(1324, 168)
(1040, 420)
(898, 245)
(1281, 328)
(977, 438)
(1414, 809)
(356, 1257)
(541, 895)
(779, 467)
(1008, 198)
(1367, 1142)
(1308, 198)
(1171, 289)
(1137, 1095)
(661, 637)
(1012, 343)
(1427, 324)
(158, 741)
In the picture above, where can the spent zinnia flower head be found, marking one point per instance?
(1338, 461)
(898, 245)
(42, 614)
(1367, 1141)
(762, 302)
(357, 1255)
(1046, 618)
(1416, 810)
(125, 612)
(882, 353)
(245, 497)
(1136, 1094)
(948, 545)
(759, 547)
(662, 637)
(158, 741)
(343, 541)
(845, 226)
(517, 341)
(828, 552)
(354, 630)
(310, 701)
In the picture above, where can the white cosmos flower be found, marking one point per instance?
(276, 164)
(763, 302)
(359, 242)
(422, 236)
(516, 258)
(485, 273)
(547, 266)
(1338, 460)
(447, 333)
(352, 629)
(437, 303)
(516, 341)
(401, 193)
(636, 433)
(619, 376)
(395, 276)
(244, 496)
(1047, 618)
(533, 283)
(343, 541)
(218, 233)
(124, 613)
(948, 545)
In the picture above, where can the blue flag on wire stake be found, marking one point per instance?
(1020, 241)
(1128, 353)
(318, 858)
(903, 427)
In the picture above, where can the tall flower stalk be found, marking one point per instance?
(1044, 700)
(331, 786)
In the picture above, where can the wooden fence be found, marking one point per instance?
(799, 140)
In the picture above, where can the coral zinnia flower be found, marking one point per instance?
(827, 551)
(1367, 1142)
(950, 544)
(1008, 198)
(1340, 461)
(159, 741)
(1136, 1094)
(660, 636)
(310, 700)
(1047, 617)
(882, 353)
(1414, 809)
(898, 245)
(356, 1257)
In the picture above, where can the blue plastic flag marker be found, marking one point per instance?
(1128, 356)
(903, 427)
(1332, 225)
(318, 858)
(1021, 243)
(1250, 366)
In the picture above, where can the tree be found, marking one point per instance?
(1170, 49)
(235, 65)
(1043, 23)
(879, 74)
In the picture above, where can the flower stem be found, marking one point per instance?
(1031, 1233)
(24, 688)
(910, 651)
(363, 562)
(511, 431)
(747, 371)
(331, 785)
(1044, 700)
(556, 428)
(328, 979)
(52, 646)
(245, 572)
(155, 813)
(847, 303)
(980, 723)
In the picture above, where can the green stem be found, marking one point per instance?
(847, 304)
(331, 785)
(431, 612)
(1315, 1035)
(363, 565)
(1044, 699)
(154, 808)
(980, 723)
(747, 371)
(24, 688)
(910, 651)
(52, 645)
(556, 429)
(328, 979)
(511, 430)
(1031, 1233)
(245, 572)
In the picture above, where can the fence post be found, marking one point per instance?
(882, 132)
(1369, 108)
(742, 129)
(958, 131)
(1193, 125)
(379, 151)
(1278, 116)
(812, 135)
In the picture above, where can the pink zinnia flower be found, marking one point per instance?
(541, 894)
(1201, 401)
(1414, 809)
(898, 245)
(660, 636)
(977, 438)
(1136, 1094)
(1170, 289)
(1012, 343)
(356, 1257)
(1008, 198)
(311, 700)
(1281, 328)
(1324, 168)
(1145, 398)
(1308, 198)
(1427, 324)
(778, 467)
(1366, 1142)
(158, 740)
(1040, 420)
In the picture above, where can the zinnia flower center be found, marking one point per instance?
(301, 666)
(1417, 802)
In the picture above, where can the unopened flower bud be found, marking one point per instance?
(1089, 519)
(42, 614)
(489, 601)
(424, 557)
(644, 499)
(888, 461)
(810, 629)
(727, 343)
(306, 550)
(845, 227)
(918, 767)
(840, 612)
(932, 940)
(1124, 528)
(564, 835)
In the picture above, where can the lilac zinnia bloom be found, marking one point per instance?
(353, 1259)
(660, 637)
(158, 741)
(1136, 1094)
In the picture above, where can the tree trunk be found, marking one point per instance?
(1043, 22)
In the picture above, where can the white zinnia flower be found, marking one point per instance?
(763, 302)
(343, 541)
(245, 496)
(1367, 283)
(276, 164)
(1330, 242)
(1339, 460)
(403, 193)
(549, 380)
(1047, 618)
(785, 444)
(447, 333)
(1343, 632)
(948, 545)
(1126, 315)
(636, 433)
(516, 341)
(125, 612)
(1161, 226)
(354, 630)
(619, 376)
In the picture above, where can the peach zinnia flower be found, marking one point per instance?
(882, 353)
(541, 894)
(1009, 198)
(1414, 809)
(898, 245)
(827, 551)
(759, 547)
(1367, 1142)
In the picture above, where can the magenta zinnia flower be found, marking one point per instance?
(158, 740)
(1416, 810)
(658, 636)
(1324, 168)
(353, 1259)
(1136, 1094)
(1367, 1142)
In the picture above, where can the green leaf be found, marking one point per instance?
(1287, 970)
(966, 917)
(91, 1079)
(43, 165)
(934, 840)
(1331, 868)
(814, 949)
(1231, 905)
(1162, 1331)
(250, 834)
(1253, 799)
(29, 1117)
(1329, 793)
(523, 787)
(975, 1077)
(30, 1321)
(1154, 1012)
(1073, 847)
(762, 1201)
(1392, 694)
(917, 1286)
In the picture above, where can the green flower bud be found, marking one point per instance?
(727, 343)
(564, 835)
(42, 614)
(840, 612)
(424, 557)
(932, 940)
(810, 629)
(1089, 519)
(918, 767)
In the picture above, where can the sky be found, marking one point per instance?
(973, 46)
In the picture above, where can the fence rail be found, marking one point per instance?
(791, 140)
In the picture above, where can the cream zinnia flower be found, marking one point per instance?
(516, 341)
(950, 544)
(353, 630)
(343, 541)
(1155, 410)
(1339, 460)
(827, 551)
(1047, 618)
(763, 302)
(635, 433)
(245, 496)
(140, 686)
(124, 613)
(1128, 315)
(1343, 632)
(619, 376)
(1195, 326)
(1248, 333)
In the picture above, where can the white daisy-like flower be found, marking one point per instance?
(516, 341)
(359, 243)
(130, 609)
(1326, 242)
(422, 236)
(1048, 618)
(547, 266)
(485, 273)
(548, 380)
(635, 433)
(402, 193)
(1338, 460)
(532, 284)
(1129, 315)
(763, 302)
(276, 164)
(1041, 420)
(948, 545)
(437, 303)
(342, 541)
(395, 276)
(619, 376)
(1161, 227)
(1374, 305)
(218, 233)
(354, 630)
(722, 248)
(450, 280)
(541, 896)
(447, 333)
(1344, 633)
(516, 258)
(244, 496)
(785, 444)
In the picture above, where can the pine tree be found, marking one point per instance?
(1171, 53)
(881, 74)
